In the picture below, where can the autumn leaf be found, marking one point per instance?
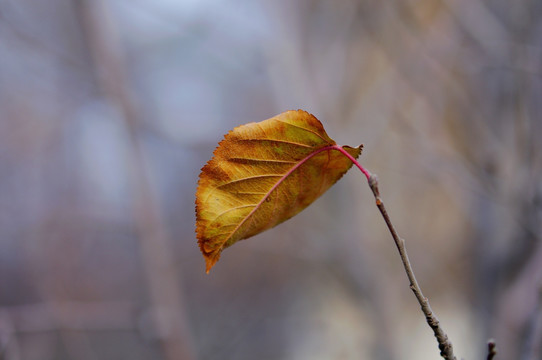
(263, 174)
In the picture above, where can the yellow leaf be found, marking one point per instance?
(263, 174)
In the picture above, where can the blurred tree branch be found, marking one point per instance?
(532, 338)
(168, 313)
(69, 315)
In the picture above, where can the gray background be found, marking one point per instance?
(108, 109)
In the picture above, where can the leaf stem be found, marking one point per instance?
(445, 346)
(345, 153)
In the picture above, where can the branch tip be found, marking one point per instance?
(491, 349)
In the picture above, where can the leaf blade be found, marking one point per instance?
(282, 179)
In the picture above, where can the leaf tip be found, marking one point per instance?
(210, 261)
(354, 151)
(210, 254)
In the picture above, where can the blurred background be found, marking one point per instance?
(108, 110)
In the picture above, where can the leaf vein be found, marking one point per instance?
(248, 193)
(284, 176)
(230, 210)
(302, 128)
(281, 141)
(264, 160)
(249, 178)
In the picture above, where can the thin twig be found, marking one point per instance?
(445, 346)
(491, 349)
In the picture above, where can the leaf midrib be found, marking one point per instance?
(283, 177)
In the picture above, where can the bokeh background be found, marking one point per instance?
(108, 110)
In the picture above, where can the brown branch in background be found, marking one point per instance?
(445, 346)
(491, 349)
(532, 340)
(167, 313)
(72, 321)
(9, 344)
(71, 316)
